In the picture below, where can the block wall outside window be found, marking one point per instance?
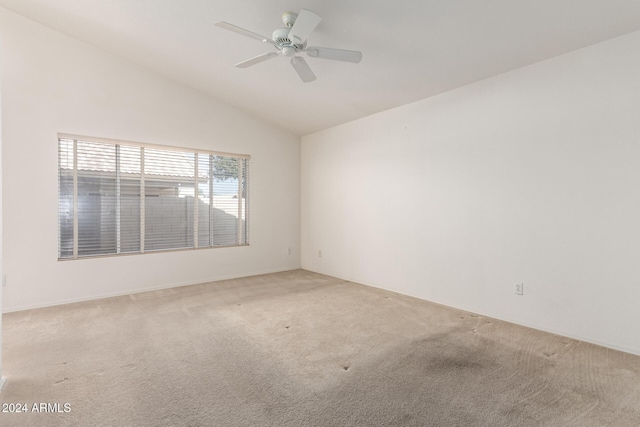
(122, 198)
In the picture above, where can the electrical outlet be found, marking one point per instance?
(519, 289)
(319, 253)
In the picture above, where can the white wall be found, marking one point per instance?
(53, 83)
(532, 176)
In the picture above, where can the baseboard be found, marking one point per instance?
(545, 329)
(148, 289)
(496, 316)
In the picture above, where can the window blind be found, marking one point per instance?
(118, 198)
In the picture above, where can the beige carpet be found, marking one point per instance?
(302, 349)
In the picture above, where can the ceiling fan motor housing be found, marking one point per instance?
(282, 40)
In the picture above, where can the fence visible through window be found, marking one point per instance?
(118, 198)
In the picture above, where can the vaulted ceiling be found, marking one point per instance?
(412, 49)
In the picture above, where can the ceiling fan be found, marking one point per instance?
(292, 40)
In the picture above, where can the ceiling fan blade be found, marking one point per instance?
(244, 32)
(256, 60)
(335, 54)
(306, 22)
(303, 69)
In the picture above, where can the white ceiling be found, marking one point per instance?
(412, 49)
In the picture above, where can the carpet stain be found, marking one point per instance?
(418, 364)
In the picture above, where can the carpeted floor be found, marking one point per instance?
(302, 349)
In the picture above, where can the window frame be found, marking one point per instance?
(243, 196)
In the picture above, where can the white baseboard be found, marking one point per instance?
(147, 289)
(497, 316)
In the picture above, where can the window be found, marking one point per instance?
(117, 198)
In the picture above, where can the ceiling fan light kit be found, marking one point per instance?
(292, 40)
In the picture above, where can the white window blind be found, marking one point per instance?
(118, 198)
